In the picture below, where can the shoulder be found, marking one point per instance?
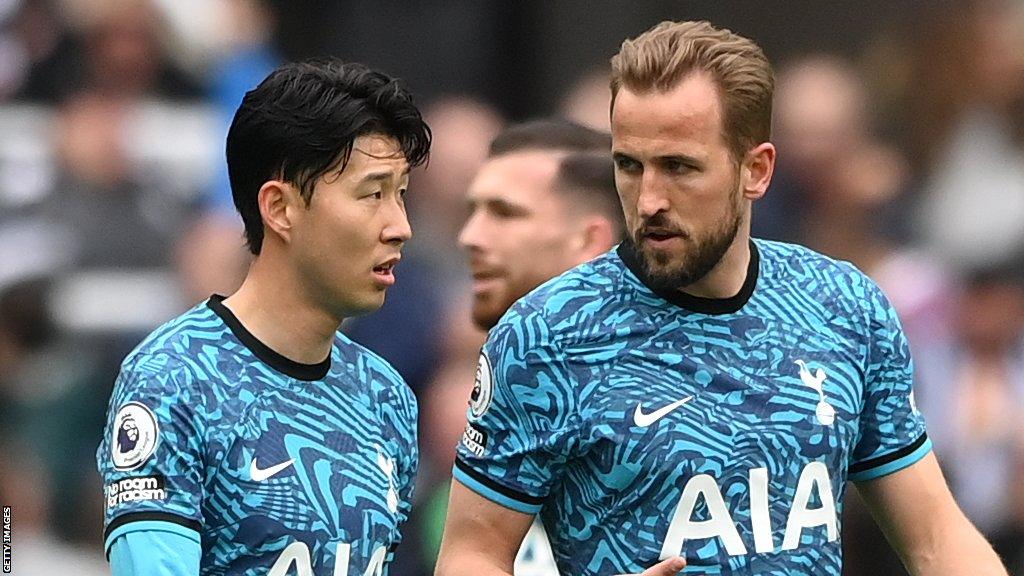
(840, 284)
(171, 358)
(386, 384)
(802, 263)
(558, 309)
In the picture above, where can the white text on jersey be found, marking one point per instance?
(297, 553)
(813, 478)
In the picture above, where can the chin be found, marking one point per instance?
(485, 318)
(664, 260)
(366, 305)
(673, 275)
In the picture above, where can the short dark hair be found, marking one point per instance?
(549, 134)
(301, 122)
(590, 178)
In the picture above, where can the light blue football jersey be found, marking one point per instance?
(277, 467)
(643, 424)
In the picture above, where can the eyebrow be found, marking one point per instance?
(683, 158)
(498, 203)
(382, 175)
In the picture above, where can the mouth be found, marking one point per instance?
(485, 281)
(661, 238)
(384, 273)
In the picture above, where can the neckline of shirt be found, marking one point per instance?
(631, 257)
(266, 354)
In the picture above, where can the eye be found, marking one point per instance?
(677, 166)
(402, 193)
(627, 165)
(502, 212)
(376, 195)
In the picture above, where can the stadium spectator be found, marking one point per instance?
(974, 392)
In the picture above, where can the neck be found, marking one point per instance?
(274, 307)
(726, 279)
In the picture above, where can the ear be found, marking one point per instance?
(757, 169)
(277, 201)
(597, 237)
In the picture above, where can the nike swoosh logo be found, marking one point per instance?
(644, 420)
(259, 475)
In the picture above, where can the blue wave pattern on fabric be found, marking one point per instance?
(807, 385)
(229, 422)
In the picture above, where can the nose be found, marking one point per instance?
(652, 198)
(469, 236)
(397, 229)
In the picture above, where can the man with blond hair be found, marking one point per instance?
(696, 395)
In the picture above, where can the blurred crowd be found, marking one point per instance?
(906, 158)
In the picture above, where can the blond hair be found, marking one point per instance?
(664, 55)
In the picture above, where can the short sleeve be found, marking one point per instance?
(523, 415)
(892, 431)
(400, 412)
(151, 456)
(409, 459)
(406, 481)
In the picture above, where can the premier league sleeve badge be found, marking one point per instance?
(134, 436)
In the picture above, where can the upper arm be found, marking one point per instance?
(480, 536)
(406, 416)
(151, 457)
(162, 551)
(410, 462)
(524, 424)
(399, 454)
(914, 508)
(892, 431)
(524, 428)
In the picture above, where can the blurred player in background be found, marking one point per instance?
(543, 202)
(248, 435)
(695, 392)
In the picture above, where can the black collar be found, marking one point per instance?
(273, 359)
(633, 260)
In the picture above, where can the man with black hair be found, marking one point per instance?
(266, 441)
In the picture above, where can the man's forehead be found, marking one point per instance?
(377, 153)
(690, 109)
(515, 174)
(379, 147)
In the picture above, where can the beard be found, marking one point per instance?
(666, 270)
(486, 314)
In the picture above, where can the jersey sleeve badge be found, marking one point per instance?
(134, 436)
(483, 389)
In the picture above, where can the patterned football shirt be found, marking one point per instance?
(641, 424)
(278, 467)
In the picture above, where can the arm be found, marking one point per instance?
(918, 515)
(155, 553)
(894, 469)
(481, 538)
(151, 457)
(524, 427)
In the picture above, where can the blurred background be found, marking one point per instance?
(900, 126)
